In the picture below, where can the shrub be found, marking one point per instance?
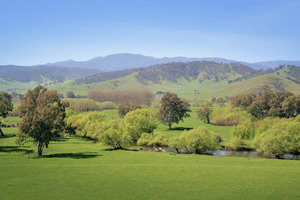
(279, 139)
(80, 105)
(230, 116)
(153, 140)
(123, 109)
(108, 105)
(113, 135)
(137, 122)
(199, 140)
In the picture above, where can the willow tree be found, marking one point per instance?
(42, 114)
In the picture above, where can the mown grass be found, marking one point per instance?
(76, 168)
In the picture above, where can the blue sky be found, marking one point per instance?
(40, 31)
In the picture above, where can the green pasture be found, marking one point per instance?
(76, 168)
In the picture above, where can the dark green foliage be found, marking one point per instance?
(42, 115)
(173, 109)
(204, 113)
(190, 71)
(267, 103)
(174, 71)
(5, 106)
(105, 76)
(71, 94)
(220, 101)
(123, 109)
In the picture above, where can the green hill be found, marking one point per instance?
(195, 80)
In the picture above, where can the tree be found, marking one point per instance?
(123, 109)
(42, 114)
(5, 106)
(173, 109)
(204, 113)
(71, 94)
(137, 122)
(220, 101)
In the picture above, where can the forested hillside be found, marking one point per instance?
(172, 72)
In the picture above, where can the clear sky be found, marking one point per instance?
(41, 31)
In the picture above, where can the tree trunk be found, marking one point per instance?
(208, 120)
(2, 134)
(170, 127)
(40, 148)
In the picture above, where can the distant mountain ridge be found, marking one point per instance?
(40, 73)
(128, 61)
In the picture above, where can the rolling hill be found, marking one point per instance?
(193, 80)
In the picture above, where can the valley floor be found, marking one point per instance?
(76, 168)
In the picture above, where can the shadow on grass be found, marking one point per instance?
(112, 149)
(181, 128)
(79, 155)
(9, 149)
(8, 136)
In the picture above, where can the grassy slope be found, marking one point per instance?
(187, 89)
(75, 168)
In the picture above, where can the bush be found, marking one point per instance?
(15, 112)
(241, 135)
(113, 135)
(230, 117)
(137, 122)
(123, 109)
(199, 140)
(80, 105)
(279, 139)
(153, 140)
(108, 105)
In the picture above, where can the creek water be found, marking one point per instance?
(247, 154)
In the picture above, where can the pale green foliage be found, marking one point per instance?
(198, 140)
(241, 135)
(113, 135)
(281, 138)
(94, 126)
(108, 105)
(230, 116)
(153, 140)
(244, 131)
(80, 105)
(137, 122)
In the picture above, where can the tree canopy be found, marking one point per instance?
(42, 114)
(269, 104)
(173, 109)
(5, 106)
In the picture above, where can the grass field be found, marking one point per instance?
(75, 168)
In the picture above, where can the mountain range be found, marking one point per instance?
(128, 61)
